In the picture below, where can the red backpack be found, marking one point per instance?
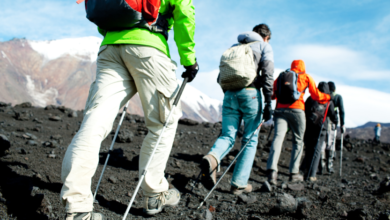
(116, 15)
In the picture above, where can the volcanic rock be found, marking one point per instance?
(247, 199)
(44, 207)
(266, 187)
(295, 186)
(186, 121)
(113, 179)
(124, 136)
(55, 118)
(22, 116)
(32, 143)
(5, 144)
(73, 114)
(285, 204)
(384, 186)
(24, 105)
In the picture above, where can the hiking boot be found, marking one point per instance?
(273, 177)
(312, 179)
(238, 191)
(209, 171)
(154, 205)
(84, 216)
(296, 177)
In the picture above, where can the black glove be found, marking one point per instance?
(267, 112)
(191, 71)
(342, 128)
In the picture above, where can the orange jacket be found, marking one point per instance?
(304, 81)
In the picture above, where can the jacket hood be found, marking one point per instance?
(298, 66)
(248, 37)
(324, 87)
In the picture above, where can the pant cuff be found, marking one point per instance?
(218, 161)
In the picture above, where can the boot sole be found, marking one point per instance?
(206, 178)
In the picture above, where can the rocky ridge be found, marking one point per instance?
(33, 142)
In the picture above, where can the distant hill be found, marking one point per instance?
(372, 124)
(60, 72)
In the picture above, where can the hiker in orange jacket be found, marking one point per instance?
(292, 116)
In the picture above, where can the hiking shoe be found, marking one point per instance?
(239, 191)
(154, 205)
(296, 177)
(312, 179)
(84, 216)
(273, 177)
(209, 171)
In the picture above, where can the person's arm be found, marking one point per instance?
(267, 72)
(332, 114)
(273, 97)
(315, 92)
(341, 109)
(184, 30)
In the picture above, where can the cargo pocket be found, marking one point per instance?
(166, 97)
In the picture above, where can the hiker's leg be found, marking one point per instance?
(279, 134)
(317, 153)
(231, 120)
(155, 78)
(112, 88)
(297, 123)
(250, 102)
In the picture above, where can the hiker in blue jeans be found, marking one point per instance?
(245, 105)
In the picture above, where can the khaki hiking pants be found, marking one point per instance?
(122, 71)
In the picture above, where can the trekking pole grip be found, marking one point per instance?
(180, 91)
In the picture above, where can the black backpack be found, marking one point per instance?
(116, 15)
(287, 88)
(316, 112)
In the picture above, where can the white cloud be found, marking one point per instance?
(337, 61)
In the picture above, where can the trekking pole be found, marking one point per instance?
(155, 147)
(318, 140)
(341, 154)
(227, 169)
(334, 142)
(269, 135)
(110, 150)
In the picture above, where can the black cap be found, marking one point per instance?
(332, 86)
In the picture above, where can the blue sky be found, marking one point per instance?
(344, 41)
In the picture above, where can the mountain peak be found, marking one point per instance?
(85, 48)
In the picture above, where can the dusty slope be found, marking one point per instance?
(30, 173)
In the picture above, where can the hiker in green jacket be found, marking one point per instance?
(130, 61)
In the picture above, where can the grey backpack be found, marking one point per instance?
(237, 69)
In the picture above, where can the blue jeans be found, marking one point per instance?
(244, 104)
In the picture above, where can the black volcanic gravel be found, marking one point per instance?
(30, 173)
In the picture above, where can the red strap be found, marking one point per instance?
(326, 112)
(79, 1)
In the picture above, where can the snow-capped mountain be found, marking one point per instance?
(60, 72)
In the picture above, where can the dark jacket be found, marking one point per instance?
(339, 104)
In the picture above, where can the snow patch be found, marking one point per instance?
(85, 48)
(40, 98)
(195, 99)
(4, 55)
